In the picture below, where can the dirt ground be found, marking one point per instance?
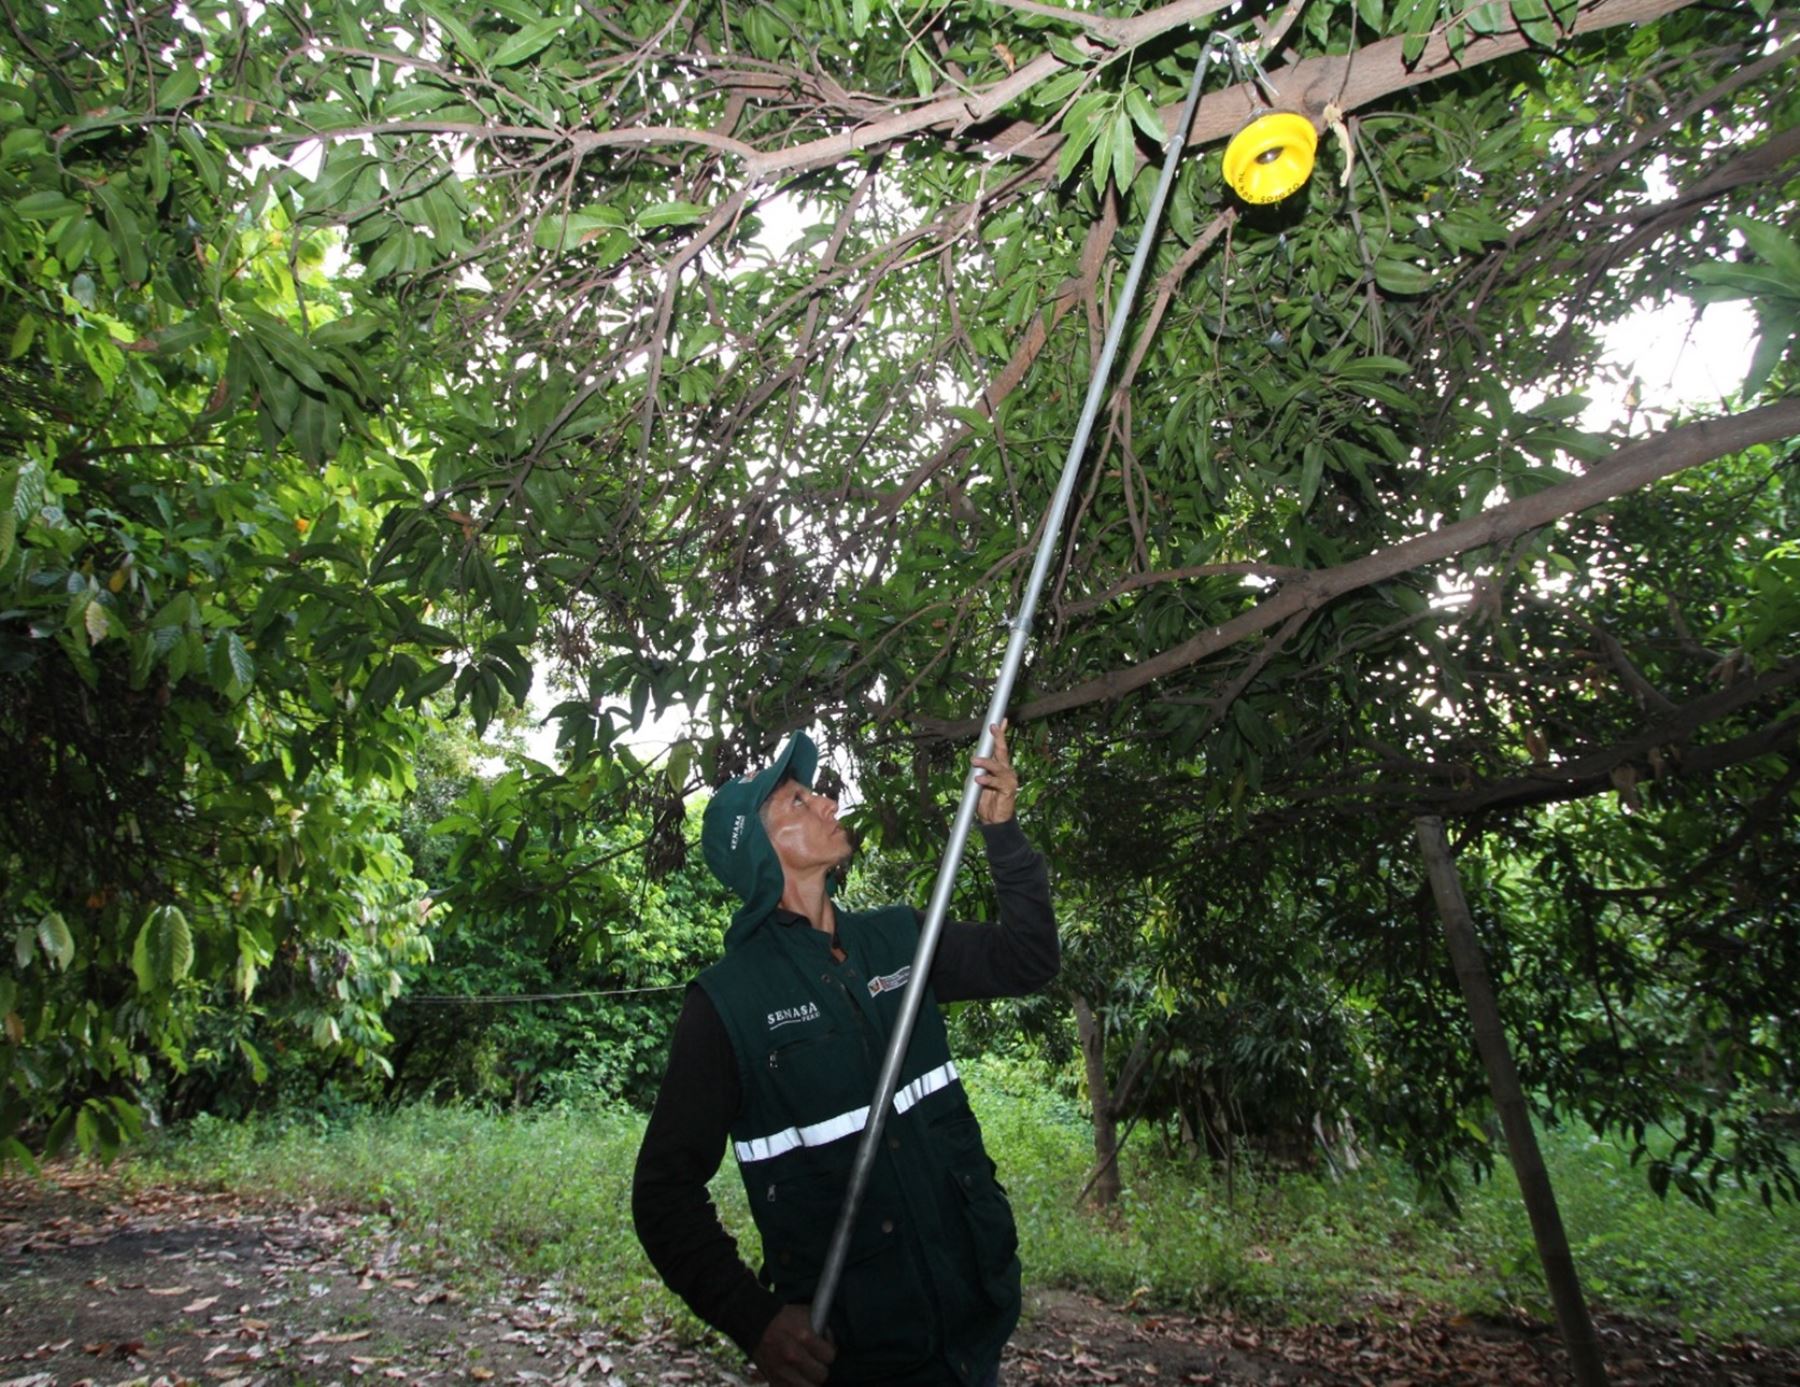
(167, 1287)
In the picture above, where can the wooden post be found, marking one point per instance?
(1503, 1080)
(1105, 1184)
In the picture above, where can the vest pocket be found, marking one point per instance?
(805, 1064)
(881, 1319)
(992, 1245)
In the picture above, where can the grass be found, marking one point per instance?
(548, 1196)
(1733, 1273)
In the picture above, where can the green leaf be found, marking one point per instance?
(1534, 21)
(55, 940)
(1058, 89)
(179, 610)
(1771, 346)
(459, 33)
(428, 683)
(259, 1071)
(1401, 277)
(918, 67)
(346, 332)
(12, 1149)
(204, 158)
(1415, 19)
(94, 621)
(1312, 470)
(1560, 407)
(45, 206)
(1738, 281)
(1488, 17)
(181, 85)
(1123, 147)
(1772, 245)
(229, 664)
(58, 1136)
(974, 419)
(528, 42)
(671, 214)
(22, 143)
(22, 334)
(1081, 126)
(123, 229)
(1144, 116)
(681, 757)
(163, 951)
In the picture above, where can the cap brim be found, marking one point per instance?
(798, 759)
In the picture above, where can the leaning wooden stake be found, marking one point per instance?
(1509, 1098)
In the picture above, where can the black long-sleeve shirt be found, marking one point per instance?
(700, 1095)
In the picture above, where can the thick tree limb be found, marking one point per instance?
(1351, 81)
(1180, 575)
(1771, 159)
(1662, 749)
(1592, 774)
(1633, 466)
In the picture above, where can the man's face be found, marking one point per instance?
(803, 828)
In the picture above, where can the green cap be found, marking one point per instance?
(732, 838)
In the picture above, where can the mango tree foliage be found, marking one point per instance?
(728, 355)
(568, 932)
(197, 682)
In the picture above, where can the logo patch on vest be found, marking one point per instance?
(788, 1016)
(891, 982)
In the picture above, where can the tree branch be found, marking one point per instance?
(1632, 467)
(1592, 774)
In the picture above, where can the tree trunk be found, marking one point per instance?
(1509, 1098)
(1105, 1184)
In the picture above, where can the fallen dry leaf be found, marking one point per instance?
(323, 1338)
(169, 1290)
(203, 1303)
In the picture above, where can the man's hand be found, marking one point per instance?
(789, 1353)
(999, 781)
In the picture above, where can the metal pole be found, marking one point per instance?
(1009, 671)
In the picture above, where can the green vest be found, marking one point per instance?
(930, 1289)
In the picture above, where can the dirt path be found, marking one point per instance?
(166, 1287)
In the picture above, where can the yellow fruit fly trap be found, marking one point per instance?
(1271, 157)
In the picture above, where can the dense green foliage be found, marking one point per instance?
(481, 1196)
(576, 937)
(367, 370)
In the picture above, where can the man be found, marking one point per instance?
(779, 1046)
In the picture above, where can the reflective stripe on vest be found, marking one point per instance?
(844, 1124)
